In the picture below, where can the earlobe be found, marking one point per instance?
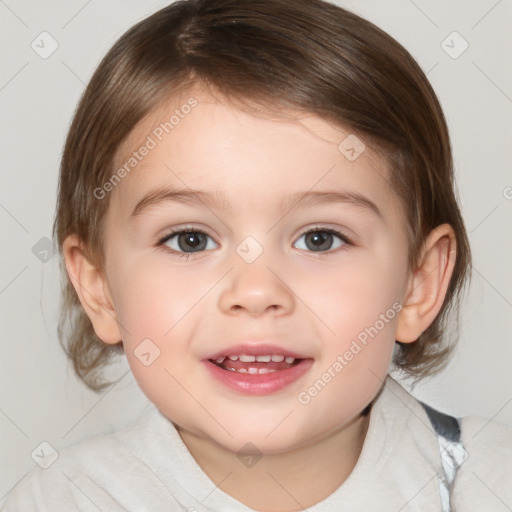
(92, 290)
(427, 284)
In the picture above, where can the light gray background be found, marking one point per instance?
(41, 400)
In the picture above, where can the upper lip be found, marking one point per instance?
(259, 349)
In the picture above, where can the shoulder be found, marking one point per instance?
(483, 480)
(59, 486)
(484, 436)
(105, 471)
(485, 477)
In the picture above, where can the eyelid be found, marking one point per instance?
(337, 232)
(175, 231)
(161, 239)
(350, 240)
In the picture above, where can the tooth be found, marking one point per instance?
(289, 359)
(265, 370)
(263, 359)
(253, 370)
(242, 370)
(220, 359)
(233, 358)
(247, 359)
(277, 359)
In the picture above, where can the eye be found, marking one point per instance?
(323, 239)
(185, 242)
(188, 240)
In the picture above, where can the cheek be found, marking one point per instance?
(156, 307)
(359, 303)
(157, 312)
(353, 296)
(153, 299)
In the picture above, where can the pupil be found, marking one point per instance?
(194, 241)
(321, 240)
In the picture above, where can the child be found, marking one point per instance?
(256, 205)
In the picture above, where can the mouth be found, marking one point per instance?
(255, 365)
(257, 374)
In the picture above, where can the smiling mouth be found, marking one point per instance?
(255, 365)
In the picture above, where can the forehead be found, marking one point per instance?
(246, 157)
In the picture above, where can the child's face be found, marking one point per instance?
(255, 278)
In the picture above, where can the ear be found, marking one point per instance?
(427, 284)
(92, 290)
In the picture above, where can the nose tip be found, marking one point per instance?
(255, 290)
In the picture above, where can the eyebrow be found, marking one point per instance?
(217, 199)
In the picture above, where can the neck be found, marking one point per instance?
(283, 482)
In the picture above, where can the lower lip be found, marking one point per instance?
(259, 384)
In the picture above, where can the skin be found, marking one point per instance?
(315, 303)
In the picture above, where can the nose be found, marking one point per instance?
(255, 289)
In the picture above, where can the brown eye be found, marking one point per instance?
(190, 242)
(187, 241)
(321, 240)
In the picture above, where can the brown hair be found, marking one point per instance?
(307, 55)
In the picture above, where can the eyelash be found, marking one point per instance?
(167, 237)
(161, 242)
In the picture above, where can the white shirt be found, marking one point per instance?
(147, 468)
